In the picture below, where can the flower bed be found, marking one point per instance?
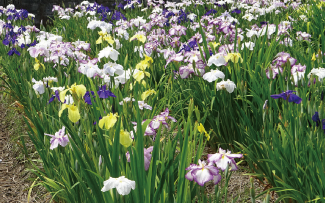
(129, 98)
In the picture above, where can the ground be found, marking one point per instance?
(15, 180)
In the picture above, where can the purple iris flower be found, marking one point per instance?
(211, 11)
(192, 44)
(162, 118)
(203, 173)
(57, 95)
(13, 51)
(288, 95)
(316, 118)
(118, 16)
(6, 42)
(121, 6)
(263, 23)
(104, 94)
(87, 97)
(59, 138)
(237, 11)
(170, 14)
(51, 99)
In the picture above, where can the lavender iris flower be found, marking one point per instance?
(203, 173)
(223, 159)
(288, 95)
(59, 138)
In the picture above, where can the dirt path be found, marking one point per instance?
(14, 179)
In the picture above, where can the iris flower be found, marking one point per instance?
(147, 93)
(217, 59)
(288, 95)
(87, 97)
(122, 185)
(125, 138)
(38, 64)
(223, 159)
(139, 37)
(201, 129)
(79, 90)
(108, 121)
(104, 93)
(59, 138)
(73, 112)
(108, 52)
(234, 57)
(161, 118)
(13, 51)
(228, 85)
(203, 173)
(316, 118)
(213, 75)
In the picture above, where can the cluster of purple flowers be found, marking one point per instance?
(13, 14)
(17, 36)
(280, 60)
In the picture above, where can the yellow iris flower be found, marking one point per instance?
(234, 57)
(147, 94)
(109, 39)
(215, 44)
(104, 36)
(140, 75)
(313, 58)
(201, 129)
(79, 90)
(144, 64)
(38, 64)
(73, 112)
(125, 138)
(139, 37)
(108, 121)
(148, 59)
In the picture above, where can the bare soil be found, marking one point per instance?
(15, 180)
